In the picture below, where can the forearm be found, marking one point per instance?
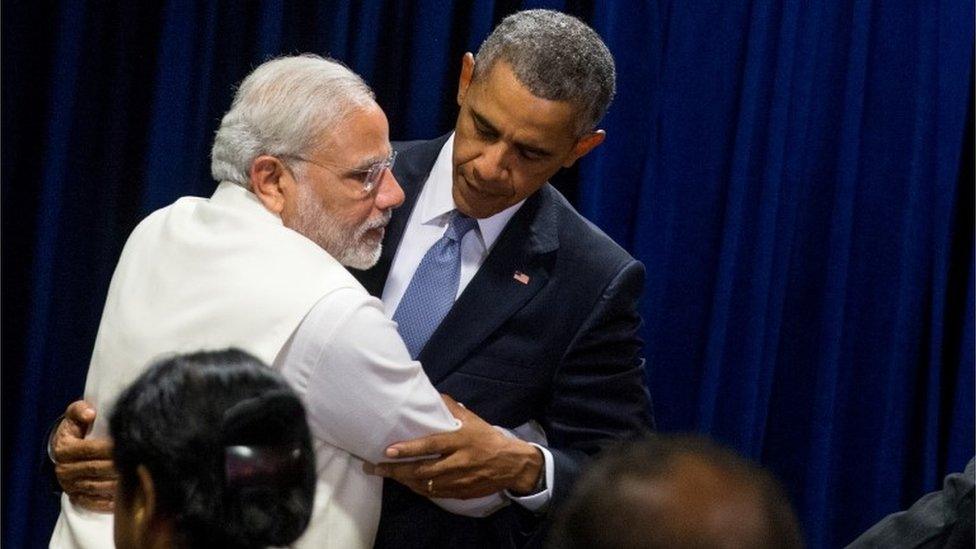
(361, 389)
(47, 461)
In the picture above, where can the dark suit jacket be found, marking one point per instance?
(939, 520)
(562, 350)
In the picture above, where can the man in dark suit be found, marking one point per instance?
(542, 338)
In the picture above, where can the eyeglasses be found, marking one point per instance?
(371, 176)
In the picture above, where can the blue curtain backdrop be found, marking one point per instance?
(797, 177)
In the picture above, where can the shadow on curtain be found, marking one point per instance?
(796, 176)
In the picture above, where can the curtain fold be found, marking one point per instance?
(21, 476)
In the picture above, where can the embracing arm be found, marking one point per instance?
(362, 390)
(477, 460)
(83, 467)
(598, 396)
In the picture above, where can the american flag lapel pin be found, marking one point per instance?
(521, 277)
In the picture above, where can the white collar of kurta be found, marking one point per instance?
(243, 199)
(435, 203)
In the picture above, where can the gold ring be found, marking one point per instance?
(430, 486)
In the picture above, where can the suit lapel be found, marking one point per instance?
(515, 270)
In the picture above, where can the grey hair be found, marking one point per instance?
(283, 108)
(557, 57)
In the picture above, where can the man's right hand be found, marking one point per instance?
(84, 467)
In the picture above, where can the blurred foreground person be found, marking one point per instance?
(212, 450)
(682, 492)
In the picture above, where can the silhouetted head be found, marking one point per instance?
(682, 492)
(213, 450)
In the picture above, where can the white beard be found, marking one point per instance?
(350, 247)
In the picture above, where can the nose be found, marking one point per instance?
(390, 195)
(492, 164)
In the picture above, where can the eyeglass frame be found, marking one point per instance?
(374, 173)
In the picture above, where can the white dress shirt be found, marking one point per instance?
(427, 224)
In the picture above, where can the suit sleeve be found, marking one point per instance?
(932, 521)
(598, 394)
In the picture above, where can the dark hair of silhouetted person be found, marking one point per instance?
(227, 446)
(675, 492)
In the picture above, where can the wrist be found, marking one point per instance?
(531, 470)
(50, 438)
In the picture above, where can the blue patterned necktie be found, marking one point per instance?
(431, 292)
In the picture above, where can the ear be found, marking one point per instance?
(467, 71)
(271, 182)
(584, 145)
(144, 505)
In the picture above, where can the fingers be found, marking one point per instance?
(465, 483)
(418, 487)
(90, 485)
(68, 443)
(453, 477)
(101, 505)
(405, 472)
(78, 418)
(427, 446)
(472, 429)
(98, 489)
(94, 470)
(69, 449)
(449, 468)
(464, 488)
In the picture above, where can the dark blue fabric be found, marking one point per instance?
(796, 176)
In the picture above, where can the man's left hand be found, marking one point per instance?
(476, 460)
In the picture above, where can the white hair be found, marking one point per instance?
(284, 107)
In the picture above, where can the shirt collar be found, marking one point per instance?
(436, 202)
(237, 196)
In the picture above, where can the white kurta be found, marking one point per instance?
(221, 272)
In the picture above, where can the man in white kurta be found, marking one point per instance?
(228, 272)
